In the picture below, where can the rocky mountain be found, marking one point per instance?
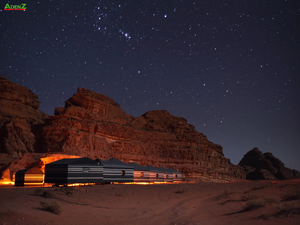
(93, 125)
(265, 166)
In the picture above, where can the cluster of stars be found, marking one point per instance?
(229, 68)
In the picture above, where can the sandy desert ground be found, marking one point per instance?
(180, 204)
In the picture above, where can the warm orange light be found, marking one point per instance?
(54, 157)
(6, 181)
(143, 183)
(77, 184)
(34, 179)
(185, 182)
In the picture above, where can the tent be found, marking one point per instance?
(29, 177)
(115, 170)
(168, 175)
(176, 174)
(156, 175)
(75, 170)
(141, 173)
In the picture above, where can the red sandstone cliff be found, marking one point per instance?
(95, 126)
(20, 122)
(19, 118)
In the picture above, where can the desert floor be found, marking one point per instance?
(183, 203)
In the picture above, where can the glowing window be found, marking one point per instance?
(142, 174)
(123, 172)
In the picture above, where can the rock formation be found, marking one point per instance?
(95, 126)
(259, 166)
(20, 122)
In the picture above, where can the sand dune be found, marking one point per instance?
(180, 204)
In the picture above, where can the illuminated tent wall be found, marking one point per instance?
(176, 174)
(168, 175)
(115, 170)
(78, 170)
(141, 173)
(29, 177)
(156, 175)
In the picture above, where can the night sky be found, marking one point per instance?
(231, 68)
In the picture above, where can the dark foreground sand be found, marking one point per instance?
(191, 203)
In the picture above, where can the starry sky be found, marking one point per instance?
(231, 68)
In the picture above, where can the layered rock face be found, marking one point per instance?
(259, 166)
(20, 122)
(95, 126)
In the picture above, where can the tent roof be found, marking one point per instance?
(22, 171)
(152, 168)
(166, 170)
(75, 161)
(172, 170)
(139, 167)
(114, 163)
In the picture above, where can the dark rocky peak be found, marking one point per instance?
(275, 161)
(259, 166)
